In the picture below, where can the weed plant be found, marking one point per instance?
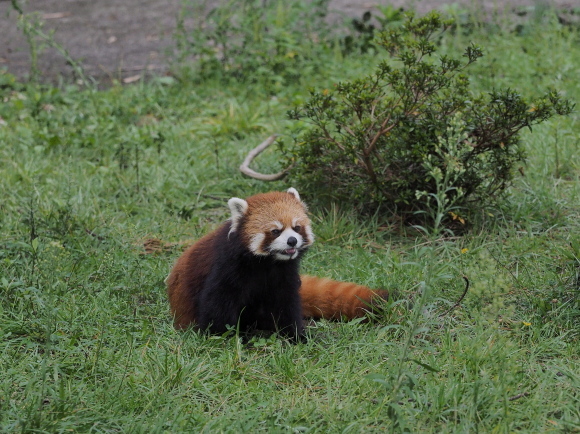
(269, 42)
(93, 180)
(37, 39)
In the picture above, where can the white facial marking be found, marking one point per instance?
(309, 235)
(284, 251)
(284, 257)
(256, 244)
(278, 225)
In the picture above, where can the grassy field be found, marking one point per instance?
(89, 178)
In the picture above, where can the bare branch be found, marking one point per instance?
(245, 167)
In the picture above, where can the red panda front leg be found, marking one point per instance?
(290, 324)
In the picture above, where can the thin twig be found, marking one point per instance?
(458, 302)
(518, 396)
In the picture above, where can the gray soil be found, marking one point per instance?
(126, 39)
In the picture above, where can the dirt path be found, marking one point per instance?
(125, 39)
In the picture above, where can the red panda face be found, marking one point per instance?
(272, 224)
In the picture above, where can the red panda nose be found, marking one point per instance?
(291, 241)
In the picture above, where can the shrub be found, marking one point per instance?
(412, 137)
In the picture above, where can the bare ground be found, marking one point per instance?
(124, 39)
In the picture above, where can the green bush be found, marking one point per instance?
(412, 138)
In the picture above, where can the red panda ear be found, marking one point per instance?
(238, 207)
(293, 192)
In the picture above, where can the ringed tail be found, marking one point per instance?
(330, 299)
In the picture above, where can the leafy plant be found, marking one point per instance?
(369, 24)
(390, 139)
(271, 42)
(32, 28)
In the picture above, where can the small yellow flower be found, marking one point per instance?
(526, 324)
(456, 217)
(464, 250)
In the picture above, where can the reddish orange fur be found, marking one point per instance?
(263, 209)
(184, 281)
(329, 299)
(267, 207)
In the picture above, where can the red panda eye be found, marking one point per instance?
(276, 231)
(297, 228)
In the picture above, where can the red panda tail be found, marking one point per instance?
(329, 299)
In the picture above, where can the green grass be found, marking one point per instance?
(86, 341)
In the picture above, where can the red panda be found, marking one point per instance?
(246, 273)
